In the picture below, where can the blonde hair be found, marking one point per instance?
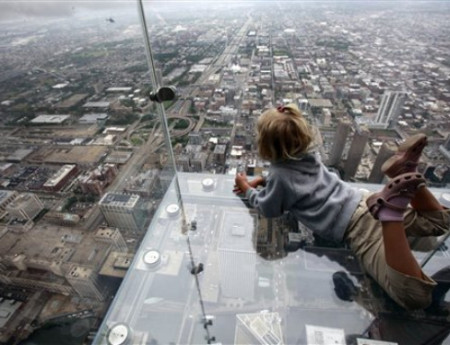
(283, 133)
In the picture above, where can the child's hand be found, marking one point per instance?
(241, 183)
(257, 181)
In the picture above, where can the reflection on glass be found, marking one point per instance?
(251, 288)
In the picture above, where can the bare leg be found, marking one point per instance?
(388, 206)
(424, 200)
(397, 251)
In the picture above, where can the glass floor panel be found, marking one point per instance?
(259, 281)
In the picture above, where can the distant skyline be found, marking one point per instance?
(11, 10)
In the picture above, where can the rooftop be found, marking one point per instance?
(119, 199)
(116, 264)
(50, 119)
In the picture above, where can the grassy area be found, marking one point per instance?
(136, 141)
(121, 120)
(179, 123)
(168, 104)
(281, 53)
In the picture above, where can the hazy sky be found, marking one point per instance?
(18, 9)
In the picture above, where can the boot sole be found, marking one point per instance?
(412, 147)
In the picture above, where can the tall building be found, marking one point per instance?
(195, 138)
(437, 173)
(26, 206)
(198, 162)
(340, 138)
(447, 143)
(262, 328)
(235, 249)
(390, 108)
(270, 234)
(387, 150)
(183, 162)
(123, 211)
(159, 77)
(220, 154)
(356, 151)
(445, 148)
(85, 282)
(113, 237)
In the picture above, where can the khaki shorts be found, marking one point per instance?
(365, 238)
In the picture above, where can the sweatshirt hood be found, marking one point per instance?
(307, 163)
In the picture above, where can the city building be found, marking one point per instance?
(263, 328)
(116, 264)
(101, 105)
(123, 211)
(198, 162)
(85, 282)
(386, 150)
(95, 181)
(183, 162)
(357, 148)
(390, 108)
(118, 157)
(19, 226)
(60, 178)
(236, 249)
(19, 155)
(25, 206)
(93, 118)
(45, 265)
(270, 234)
(125, 89)
(113, 237)
(8, 308)
(339, 141)
(220, 154)
(56, 286)
(6, 197)
(50, 119)
(195, 138)
(438, 174)
(62, 218)
(6, 168)
(193, 159)
(143, 184)
(445, 148)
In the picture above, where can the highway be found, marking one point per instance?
(131, 168)
(222, 60)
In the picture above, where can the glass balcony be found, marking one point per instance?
(131, 234)
(237, 278)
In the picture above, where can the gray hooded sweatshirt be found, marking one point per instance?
(317, 198)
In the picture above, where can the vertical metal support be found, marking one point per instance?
(148, 50)
(161, 111)
(196, 269)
